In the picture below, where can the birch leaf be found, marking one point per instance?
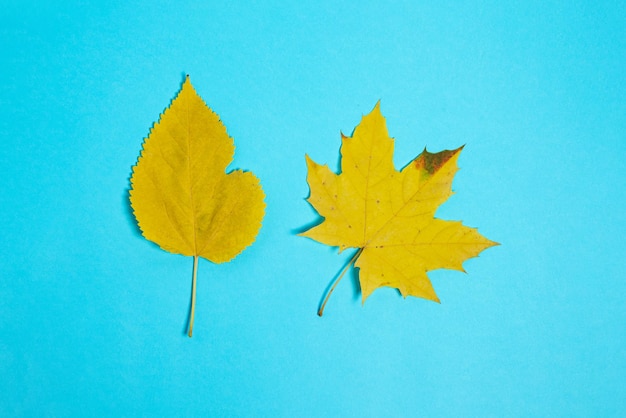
(388, 215)
(181, 195)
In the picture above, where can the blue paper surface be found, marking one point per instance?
(92, 316)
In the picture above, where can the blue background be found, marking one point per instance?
(92, 315)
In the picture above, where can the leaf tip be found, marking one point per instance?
(376, 109)
(310, 164)
(432, 297)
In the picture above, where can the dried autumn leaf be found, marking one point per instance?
(181, 195)
(388, 215)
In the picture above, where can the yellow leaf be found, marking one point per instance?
(389, 214)
(181, 195)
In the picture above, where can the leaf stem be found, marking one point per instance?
(356, 255)
(193, 294)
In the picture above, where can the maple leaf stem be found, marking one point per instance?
(193, 294)
(356, 255)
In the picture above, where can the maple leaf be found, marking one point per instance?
(388, 215)
(181, 196)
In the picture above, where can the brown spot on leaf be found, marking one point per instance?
(432, 162)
